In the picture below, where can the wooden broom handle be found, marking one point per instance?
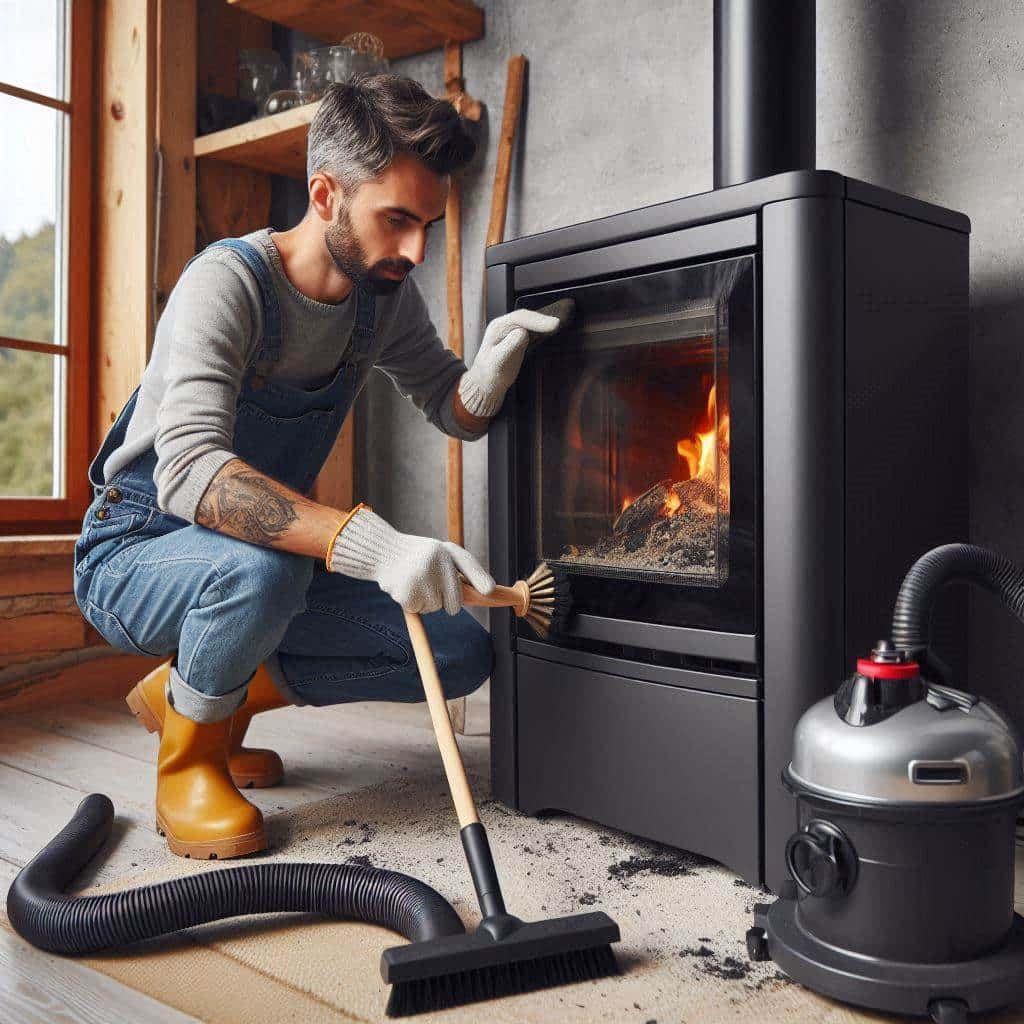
(516, 597)
(462, 796)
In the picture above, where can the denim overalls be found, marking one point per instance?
(152, 583)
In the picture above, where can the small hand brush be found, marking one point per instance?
(544, 598)
(505, 955)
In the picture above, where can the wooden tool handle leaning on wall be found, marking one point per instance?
(455, 90)
(506, 143)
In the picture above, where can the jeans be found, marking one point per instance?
(152, 584)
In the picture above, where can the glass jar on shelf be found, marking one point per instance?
(331, 64)
(283, 99)
(358, 54)
(319, 77)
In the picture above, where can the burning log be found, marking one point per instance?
(644, 512)
(662, 501)
(674, 526)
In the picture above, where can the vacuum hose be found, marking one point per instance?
(946, 564)
(41, 913)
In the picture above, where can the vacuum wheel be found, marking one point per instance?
(757, 946)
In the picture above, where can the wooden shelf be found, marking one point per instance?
(275, 144)
(404, 26)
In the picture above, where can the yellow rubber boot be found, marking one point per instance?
(198, 806)
(250, 767)
(255, 766)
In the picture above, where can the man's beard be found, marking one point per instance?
(350, 258)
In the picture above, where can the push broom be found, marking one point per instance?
(505, 955)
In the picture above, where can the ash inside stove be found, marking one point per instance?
(679, 527)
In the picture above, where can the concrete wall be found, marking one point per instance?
(921, 96)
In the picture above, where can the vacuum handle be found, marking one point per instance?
(462, 796)
(516, 597)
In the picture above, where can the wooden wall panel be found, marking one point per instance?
(125, 90)
(175, 132)
(77, 675)
(232, 200)
(46, 646)
(47, 650)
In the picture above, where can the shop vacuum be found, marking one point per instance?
(900, 889)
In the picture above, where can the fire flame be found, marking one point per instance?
(700, 453)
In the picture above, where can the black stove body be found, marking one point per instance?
(755, 424)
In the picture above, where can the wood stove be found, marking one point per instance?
(755, 424)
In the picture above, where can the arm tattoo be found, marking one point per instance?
(246, 504)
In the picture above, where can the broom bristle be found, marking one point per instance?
(461, 987)
(550, 599)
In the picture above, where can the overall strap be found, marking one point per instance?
(270, 343)
(363, 330)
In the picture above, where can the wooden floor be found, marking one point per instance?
(50, 759)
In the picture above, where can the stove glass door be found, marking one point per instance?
(635, 447)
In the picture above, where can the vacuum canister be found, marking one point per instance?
(900, 889)
(907, 797)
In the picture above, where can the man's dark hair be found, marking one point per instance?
(364, 122)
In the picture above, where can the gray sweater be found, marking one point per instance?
(209, 332)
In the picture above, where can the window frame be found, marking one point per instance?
(49, 515)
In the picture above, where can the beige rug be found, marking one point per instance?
(682, 919)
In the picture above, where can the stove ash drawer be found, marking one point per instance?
(674, 765)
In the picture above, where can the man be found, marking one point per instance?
(201, 541)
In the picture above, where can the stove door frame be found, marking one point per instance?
(673, 613)
(504, 282)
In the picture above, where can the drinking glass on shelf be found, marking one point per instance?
(260, 72)
(331, 64)
(306, 78)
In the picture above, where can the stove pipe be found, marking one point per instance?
(764, 88)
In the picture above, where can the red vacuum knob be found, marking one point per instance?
(887, 670)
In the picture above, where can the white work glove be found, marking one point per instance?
(500, 356)
(420, 573)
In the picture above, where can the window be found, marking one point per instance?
(45, 179)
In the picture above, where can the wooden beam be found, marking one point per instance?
(455, 90)
(125, 91)
(81, 184)
(454, 87)
(175, 134)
